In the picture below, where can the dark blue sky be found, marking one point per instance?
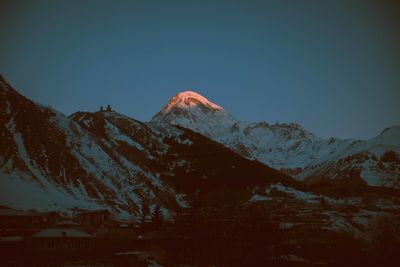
(331, 66)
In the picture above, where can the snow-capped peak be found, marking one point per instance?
(188, 100)
(194, 111)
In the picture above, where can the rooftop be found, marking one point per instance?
(62, 232)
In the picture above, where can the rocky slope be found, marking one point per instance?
(107, 160)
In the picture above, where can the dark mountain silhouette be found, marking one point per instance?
(106, 159)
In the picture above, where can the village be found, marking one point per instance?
(282, 231)
(90, 237)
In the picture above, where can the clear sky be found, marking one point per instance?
(331, 66)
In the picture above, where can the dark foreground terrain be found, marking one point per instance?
(279, 230)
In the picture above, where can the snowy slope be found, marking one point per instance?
(57, 164)
(105, 159)
(376, 161)
(289, 147)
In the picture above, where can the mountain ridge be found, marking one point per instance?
(95, 160)
(291, 148)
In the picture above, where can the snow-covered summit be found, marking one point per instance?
(191, 110)
(189, 100)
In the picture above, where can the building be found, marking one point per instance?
(61, 239)
(116, 230)
(13, 218)
(91, 218)
(107, 109)
(59, 245)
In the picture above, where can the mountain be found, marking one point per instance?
(376, 161)
(191, 110)
(104, 159)
(289, 147)
(50, 161)
(107, 160)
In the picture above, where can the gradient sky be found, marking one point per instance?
(331, 66)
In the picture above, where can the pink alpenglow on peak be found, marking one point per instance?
(189, 99)
(191, 110)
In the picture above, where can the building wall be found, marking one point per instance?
(61, 244)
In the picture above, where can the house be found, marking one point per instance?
(13, 218)
(67, 224)
(61, 239)
(59, 245)
(116, 230)
(91, 218)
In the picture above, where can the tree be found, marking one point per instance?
(144, 212)
(101, 108)
(156, 217)
(108, 108)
